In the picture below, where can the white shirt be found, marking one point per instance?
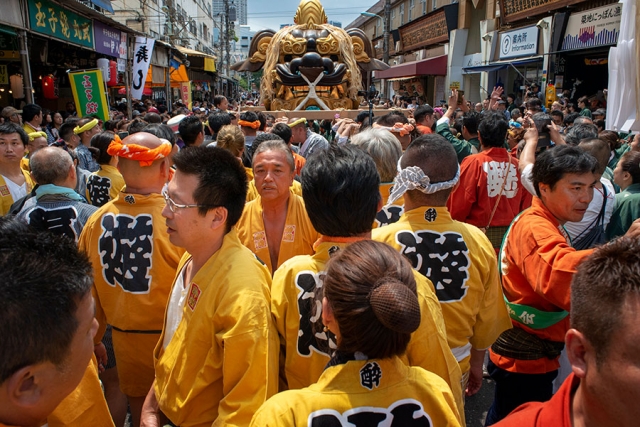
(176, 306)
(17, 191)
(576, 228)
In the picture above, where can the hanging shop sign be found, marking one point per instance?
(109, 40)
(53, 20)
(520, 42)
(594, 27)
(89, 93)
(141, 60)
(185, 93)
(4, 75)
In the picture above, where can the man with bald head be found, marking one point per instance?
(133, 261)
(56, 207)
(457, 257)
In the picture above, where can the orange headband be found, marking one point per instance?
(146, 156)
(252, 125)
(401, 128)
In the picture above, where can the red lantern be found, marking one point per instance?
(113, 74)
(49, 88)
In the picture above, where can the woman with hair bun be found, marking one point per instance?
(371, 306)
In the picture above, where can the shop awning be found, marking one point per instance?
(499, 65)
(209, 60)
(105, 4)
(433, 66)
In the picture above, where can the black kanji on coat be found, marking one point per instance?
(126, 251)
(389, 215)
(404, 413)
(370, 375)
(311, 334)
(98, 188)
(55, 220)
(443, 258)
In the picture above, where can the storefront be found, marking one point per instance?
(422, 67)
(518, 61)
(581, 63)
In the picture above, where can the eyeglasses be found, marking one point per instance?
(173, 206)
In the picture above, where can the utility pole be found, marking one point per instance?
(385, 34)
(227, 36)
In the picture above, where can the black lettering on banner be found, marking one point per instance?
(311, 336)
(403, 413)
(138, 84)
(98, 187)
(442, 258)
(126, 251)
(389, 215)
(56, 220)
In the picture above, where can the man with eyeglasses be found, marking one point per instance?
(133, 261)
(217, 359)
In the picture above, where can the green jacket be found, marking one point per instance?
(463, 148)
(626, 209)
(586, 112)
(617, 154)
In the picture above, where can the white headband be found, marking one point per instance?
(414, 178)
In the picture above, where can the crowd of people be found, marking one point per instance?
(212, 266)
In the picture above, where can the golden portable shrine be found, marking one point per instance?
(311, 65)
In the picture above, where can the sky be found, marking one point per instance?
(263, 14)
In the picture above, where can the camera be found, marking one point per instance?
(370, 94)
(542, 121)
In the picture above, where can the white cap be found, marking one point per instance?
(174, 122)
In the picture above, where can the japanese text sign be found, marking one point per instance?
(51, 19)
(185, 93)
(520, 42)
(109, 41)
(89, 93)
(4, 75)
(141, 60)
(594, 27)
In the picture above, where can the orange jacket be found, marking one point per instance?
(537, 264)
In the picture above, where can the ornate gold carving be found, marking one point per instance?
(327, 45)
(293, 46)
(310, 13)
(358, 49)
(261, 53)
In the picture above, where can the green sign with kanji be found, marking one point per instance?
(89, 93)
(53, 20)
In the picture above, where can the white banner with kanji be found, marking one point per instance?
(141, 60)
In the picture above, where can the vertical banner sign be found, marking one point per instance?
(89, 93)
(185, 93)
(141, 61)
(4, 75)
